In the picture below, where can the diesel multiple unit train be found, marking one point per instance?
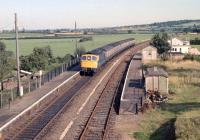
(94, 59)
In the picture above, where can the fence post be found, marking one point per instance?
(29, 85)
(40, 83)
(1, 98)
(141, 100)
(136, 107)
(62, 68)
(36, 83)
(70, 63)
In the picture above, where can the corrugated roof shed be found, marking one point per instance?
(155, 71)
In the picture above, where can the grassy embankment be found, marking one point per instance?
(61, 47)
(180, 117)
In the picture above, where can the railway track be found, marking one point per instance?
(35, 127)
(100, 123)
(97, 125)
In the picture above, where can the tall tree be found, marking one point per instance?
(6, 61)
(160, 41)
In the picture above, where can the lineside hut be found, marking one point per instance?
(149, 53)
(156, 79)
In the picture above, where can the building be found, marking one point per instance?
(149, 53)
(179, 46)
(156, 79)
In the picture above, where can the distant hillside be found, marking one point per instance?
(169, 26)
(176, 26)
(176, 23)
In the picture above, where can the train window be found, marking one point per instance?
(89, 58)
(94, 58)
(83, 58)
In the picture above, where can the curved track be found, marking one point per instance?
(96, 125)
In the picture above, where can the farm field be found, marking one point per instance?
(61, 47)
(180, 116)
(189, 36)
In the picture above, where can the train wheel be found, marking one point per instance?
(82, 73)
(91, 73)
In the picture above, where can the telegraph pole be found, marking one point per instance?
(76, 41)
(17, 57)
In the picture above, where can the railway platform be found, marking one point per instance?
(133, 93)
(11, 112)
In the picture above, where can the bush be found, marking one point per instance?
(38, 60)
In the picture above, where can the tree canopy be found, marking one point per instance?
(160, 41)
(38, 60)
(6, 61)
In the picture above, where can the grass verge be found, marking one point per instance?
(180, 116)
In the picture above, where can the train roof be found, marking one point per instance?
(109, 46)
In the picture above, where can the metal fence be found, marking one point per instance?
(7, 95)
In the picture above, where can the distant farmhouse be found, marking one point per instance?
(182, 47)
(179, 46)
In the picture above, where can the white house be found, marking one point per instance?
(179, 46)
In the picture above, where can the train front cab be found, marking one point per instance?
(89, 64)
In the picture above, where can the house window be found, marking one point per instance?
(175, 49)
(180, 50)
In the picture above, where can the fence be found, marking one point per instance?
(8, 94)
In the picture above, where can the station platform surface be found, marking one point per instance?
(7, 113)
(133, 90)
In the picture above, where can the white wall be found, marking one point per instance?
(181, 49)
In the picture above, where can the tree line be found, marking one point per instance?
(39, 59)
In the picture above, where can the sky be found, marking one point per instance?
(51, 14)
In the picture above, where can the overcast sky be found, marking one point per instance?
(39, 14)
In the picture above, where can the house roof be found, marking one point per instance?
(149, 48)
(156, 71)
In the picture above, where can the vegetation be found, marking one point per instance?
(196, 46)
(196, 41)
(180, 116)
(38, 60)
(42, 59)
(192, 57)
(61, 47)
(6, 61)
(160, 41)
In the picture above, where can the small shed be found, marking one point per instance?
(156, 79)
(149, 53)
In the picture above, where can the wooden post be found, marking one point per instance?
(36, 83)
(29, 85)
(141, 100)
(1, 99)
(136, 108)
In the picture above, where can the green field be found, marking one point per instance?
(60, 47)
(189, 36)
